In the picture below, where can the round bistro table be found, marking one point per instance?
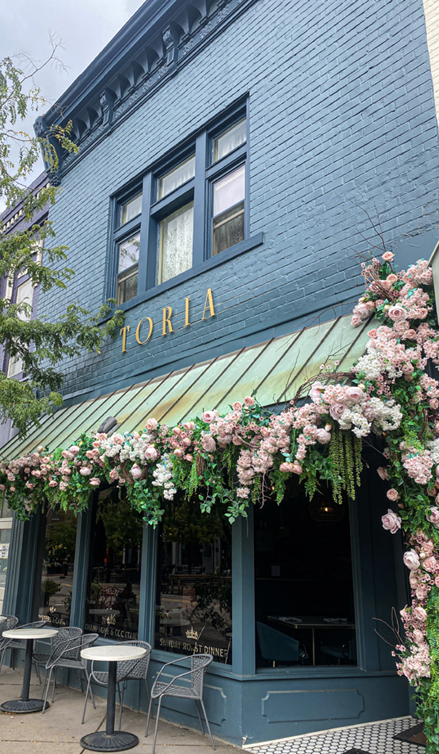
(111, 740)
(20, 706)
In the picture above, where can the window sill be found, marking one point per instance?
(240, 248)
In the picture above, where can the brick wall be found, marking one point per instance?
(342, 120)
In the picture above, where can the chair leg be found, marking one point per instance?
(149, 715)
(156, 725)
(199, 717)
(47, 691)
(37, 670)
(86, 699)
(44, 684)
(54, 685)
(87, 679)
(121, 704)
(207, 723)
(148, 695)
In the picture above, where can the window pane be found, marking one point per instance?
(55, 595)
(176, 177)
(15, 366)
(24, 294)
(230, 140)
(131, 209)
(129, 252)
(5, 539)
(229, 190)
(304, 612)
(194, 583)
(127, 285)
(113, 588)
(228, 229)
(176, 233)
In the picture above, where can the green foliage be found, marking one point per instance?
(41, 345)
(345, 457)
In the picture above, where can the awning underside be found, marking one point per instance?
(274, 369)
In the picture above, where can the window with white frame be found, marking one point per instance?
(190, 207)
(24, 294)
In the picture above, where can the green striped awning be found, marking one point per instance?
(275, 369)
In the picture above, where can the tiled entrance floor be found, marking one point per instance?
(373, 738)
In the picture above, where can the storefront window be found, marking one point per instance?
(304, 586)
(54, 595)
(113, 588)
(194, 583)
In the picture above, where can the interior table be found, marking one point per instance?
(111, 740)
(311, 622)
(29, 635)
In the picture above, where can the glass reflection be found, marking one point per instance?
(113, 586)
(194, 583)
(55, 593)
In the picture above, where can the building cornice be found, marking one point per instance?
(159, 40)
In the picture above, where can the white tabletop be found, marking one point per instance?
(30, 633)
(113, 653)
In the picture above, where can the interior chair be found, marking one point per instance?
(137, 672)
(63, 635)
(278, 647)
(67, 654)
(347, 651)
(9, 622)
(18, 643)
(160, 689)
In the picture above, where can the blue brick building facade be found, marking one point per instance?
(341, 128)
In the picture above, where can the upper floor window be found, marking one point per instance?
(24, 294)
(191, 206)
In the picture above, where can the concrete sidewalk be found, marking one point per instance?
(59, 730)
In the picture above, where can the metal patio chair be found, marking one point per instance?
(63, 635)
(68, 655)
(124, 672)
(199, 664)
(138, 672)
(18, 643)
(6, 625)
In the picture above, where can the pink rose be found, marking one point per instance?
(436, 581)
(362, 311)
(114, 474)
(95, 482)
(382, 473)
(297, 469)
(391, 522)
(286, 467)
(393, 495)
(151, 453)
(117, 439)
(209, 444)
(316, 391)
(434, 517)
(322, 436)
(52, 483)
(355, 321)
(411, 560)
(418, 636)
(249, 401)
(40, 448)
(136, 471)
(355, 394)
(136, 435)
(85, 471)
(209, 416)
(151, 424)
(190, 426)
(430, 565)
(397, 313)
(388, 256)
(373, 333)
(237, 406)
(189, 457)
(179, 452)
(420, 613)
(337, 410)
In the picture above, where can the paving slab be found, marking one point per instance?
(59, 730)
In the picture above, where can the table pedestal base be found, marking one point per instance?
(18, 706)
(117, 741)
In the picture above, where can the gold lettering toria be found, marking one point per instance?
(208, 304)
(124, 332)
(151, 328)
(167, 314)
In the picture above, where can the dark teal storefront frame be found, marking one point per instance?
(244, 704)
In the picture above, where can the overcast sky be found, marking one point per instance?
(84, 27)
